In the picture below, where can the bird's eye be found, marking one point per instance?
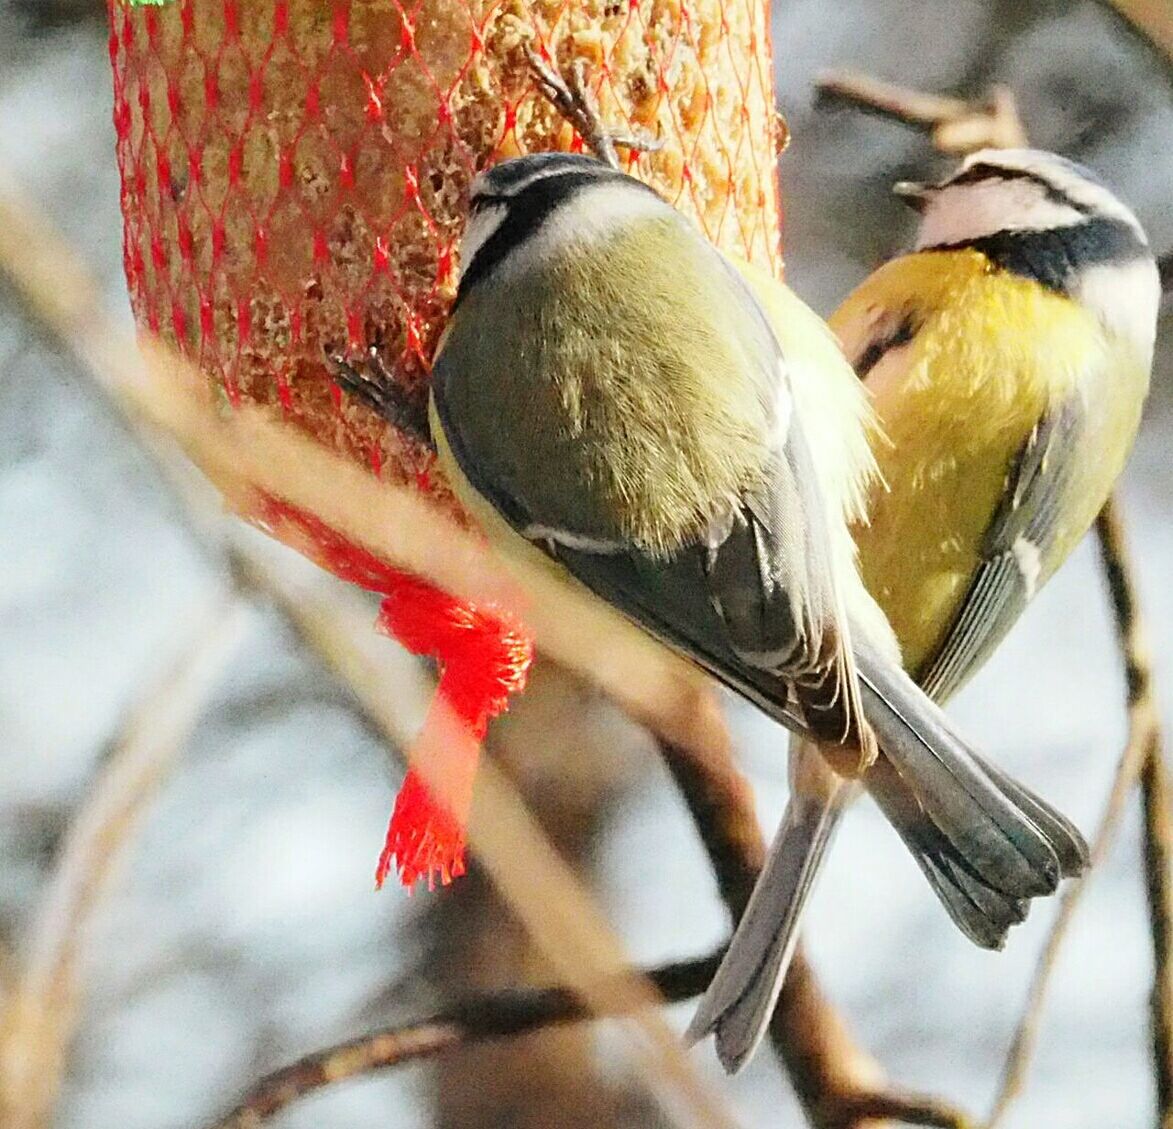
(482, 198)
(975, 174)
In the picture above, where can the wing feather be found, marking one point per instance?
(1016, 545)
(754, 596)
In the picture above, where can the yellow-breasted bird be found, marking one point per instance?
(1008, 358)
(610, 391)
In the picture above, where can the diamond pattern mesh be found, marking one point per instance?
(293, 170)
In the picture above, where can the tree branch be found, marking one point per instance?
(956, 126)
(499, 1015)
(38, 1021)
(1158, 859)
(1143, 747)
(1145, 741)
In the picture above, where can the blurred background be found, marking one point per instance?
(244, 932)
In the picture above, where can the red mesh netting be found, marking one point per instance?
(294, 171)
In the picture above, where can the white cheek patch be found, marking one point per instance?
(966, 212)
(1094, 198)
(587, 217)
(484, 222)
(1125, 297)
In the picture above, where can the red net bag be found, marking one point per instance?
(293, 183)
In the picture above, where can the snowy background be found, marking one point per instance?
(245, 932)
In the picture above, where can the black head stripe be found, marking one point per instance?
(1054, 258)
(504, 180)
(530, 206)
(899, 334)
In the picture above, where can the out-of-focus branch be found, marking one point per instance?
(39, 1016)
(498, 1015)
(1145, 741)
(956, 126)
(1143, 747)
(247, 451)
(839, 1084)
(1158, 857)
(1152, 19)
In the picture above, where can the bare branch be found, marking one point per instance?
(38, 1021)
(499, 1015)
(1152, 20)
(248, 451)
(1143, 744)
(1145, 740)
(956, 126)
(1158, 858)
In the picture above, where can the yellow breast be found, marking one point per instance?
(991, 353)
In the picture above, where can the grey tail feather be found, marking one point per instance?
(985, 842)
(982, 913)
(740, 1000)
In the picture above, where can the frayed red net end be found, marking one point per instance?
(483, 661)
(424, 839)
(484, 658)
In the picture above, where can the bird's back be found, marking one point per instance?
(645, 450)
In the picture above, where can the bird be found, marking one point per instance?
(1007, 358)
(684, 439)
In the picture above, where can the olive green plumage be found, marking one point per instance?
(623, 443)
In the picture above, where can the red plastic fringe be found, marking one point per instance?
(484, 657)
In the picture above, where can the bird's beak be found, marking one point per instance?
(916, 196)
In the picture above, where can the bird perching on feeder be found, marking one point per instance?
(294, 188)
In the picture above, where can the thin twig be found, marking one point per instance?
(39, 1019)
(1158, 859)
(1144, 729)
(914, 107)
(1143, 744)
(956, 126)
(498, 1015)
